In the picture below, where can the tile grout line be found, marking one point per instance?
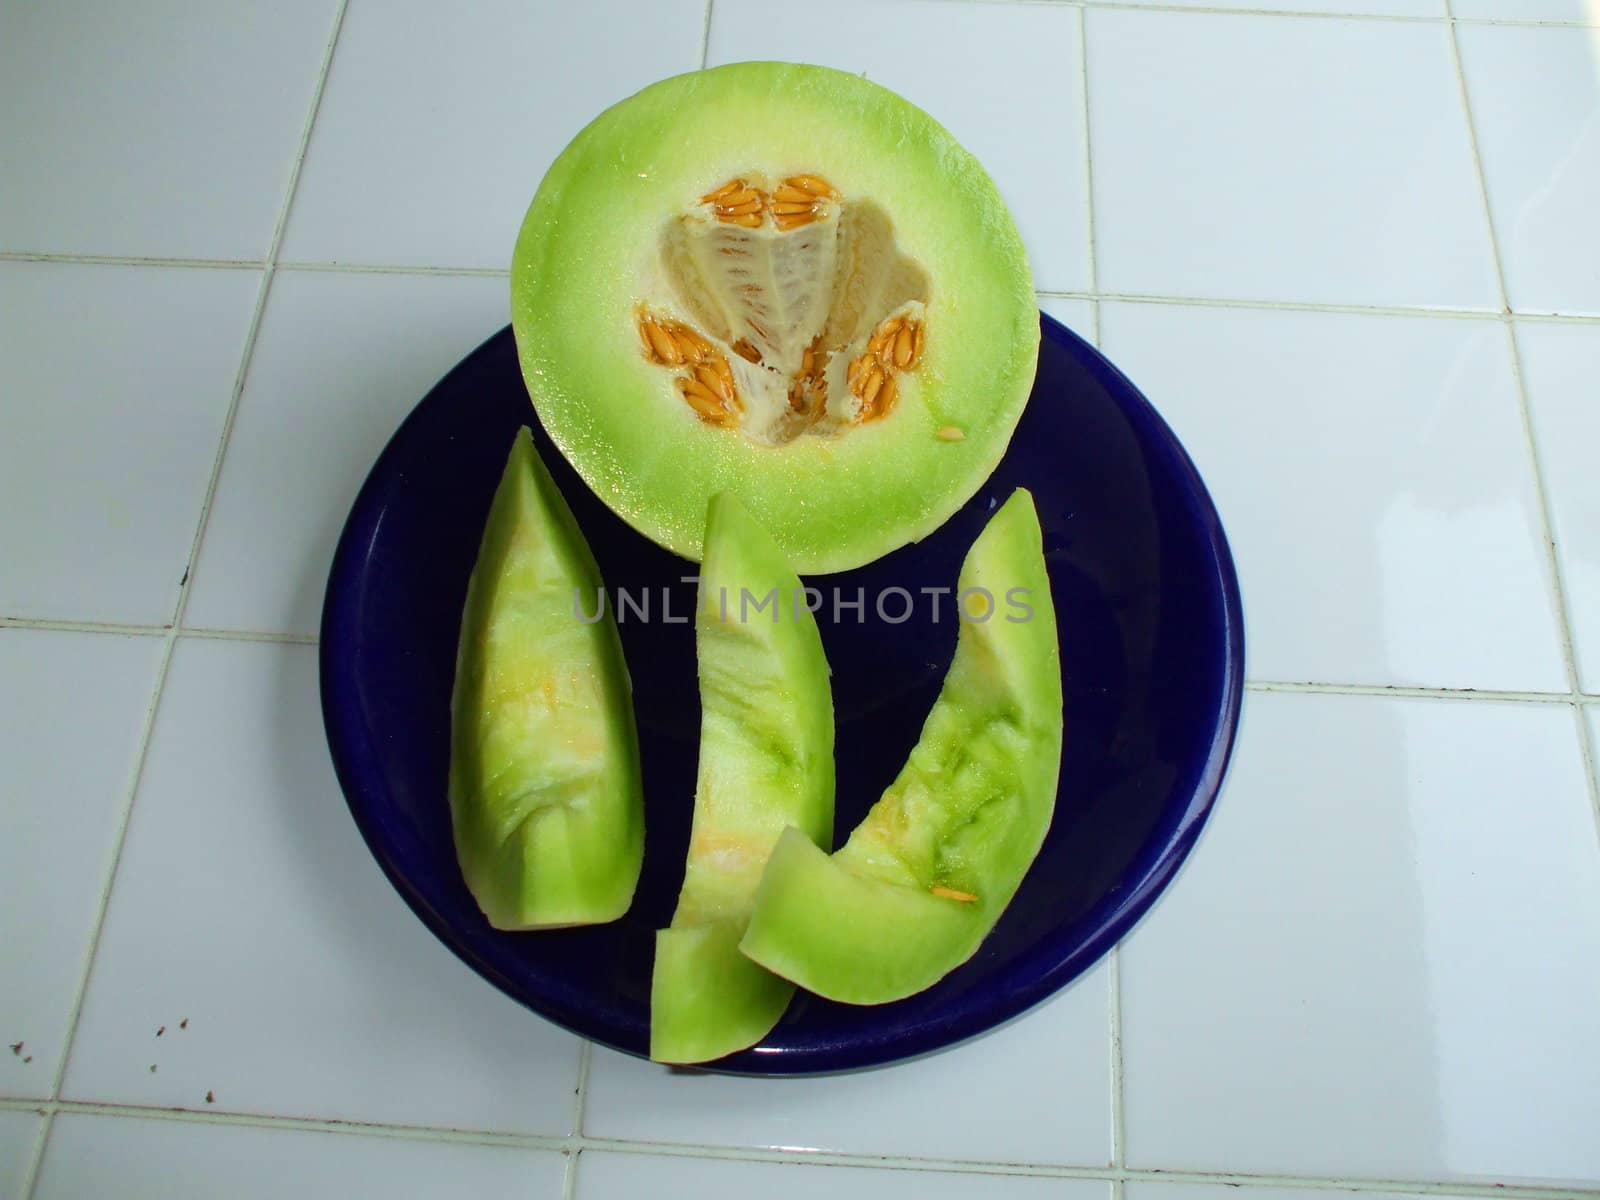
(125, 818)
(124, 260)
(46, 623)
(394, 269)
(580, 1099)
(1308, 687)
(269, 273)
(575, 1146)
(163, 668)
(418, 269)
(1402, 691)
(1365, 310)
(1092, 273)
(705, 36)
(1535, 459)
(1119, 1134)
(1091, 261)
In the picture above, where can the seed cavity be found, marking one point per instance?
(951, 434)
(792, 309)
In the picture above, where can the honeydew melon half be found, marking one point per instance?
(928, 872)
(783, 282)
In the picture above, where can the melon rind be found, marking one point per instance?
(587, 256)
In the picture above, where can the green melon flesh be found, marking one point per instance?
(545, 795)
(766, 763)
(967, 813)
(618, 227)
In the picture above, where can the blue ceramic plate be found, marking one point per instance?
(1151, 655)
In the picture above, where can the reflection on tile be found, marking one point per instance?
(1042, 1083)
(135, 1159)
(438, 121)
(72, 708)
(929, 59)
(119, 379)
(339, 361)
(602, 1176)
(247, 906)
(1536, 104)
(160, 129)
(1374, 479)
(1390, 930)
(1560, 364)
(1233, 158)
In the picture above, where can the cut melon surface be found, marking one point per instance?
(766, 764)
(546, 801)
(784, 282)
(928, 872)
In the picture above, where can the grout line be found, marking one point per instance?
(36, 1152)
(161, 631)
(164, 667)
(249, 635)
(123, 260)
(1091, 266)
(705, 36)
(1254, 685)
(342, 268)
(1486, 206)
(569, 1177)
(1331, 13)
(1366, 310)
(84, 626)
(102, 907)
(1405, 692)
(580, 1094)
(1547, 525)
(1119, 1135)
(393, 269)
(573, 1145)
(254, 332)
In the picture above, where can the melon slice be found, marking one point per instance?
(766, 763)
(927, 874)
(545, 795)
(784, 282)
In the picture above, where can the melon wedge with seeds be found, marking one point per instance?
(925, 876)
(766, 763)
(546, 801)
(781, 281)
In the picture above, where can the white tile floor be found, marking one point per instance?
(1290, 224)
